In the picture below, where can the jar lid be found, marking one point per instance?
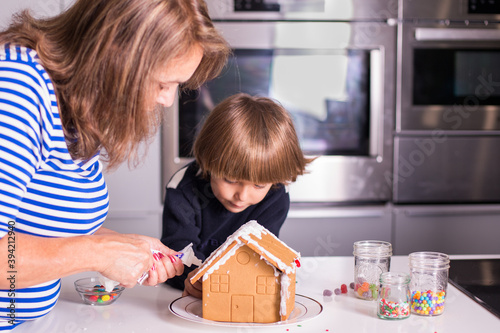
(394, 278)
(372, 248)
(429, 260)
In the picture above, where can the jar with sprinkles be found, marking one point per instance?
(371, 258)
(429, 280)
(393, 300)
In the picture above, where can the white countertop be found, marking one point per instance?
(146, 309)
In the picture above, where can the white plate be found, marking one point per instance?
(190, 308)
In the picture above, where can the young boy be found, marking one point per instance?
(246, 152)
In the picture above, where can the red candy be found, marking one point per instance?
(343, 288)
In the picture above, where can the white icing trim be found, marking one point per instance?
(285, 284)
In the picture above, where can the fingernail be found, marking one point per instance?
(160, 255)
(156, 256)
(172, 258)
(153, 268)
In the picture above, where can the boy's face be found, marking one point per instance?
(236, 196)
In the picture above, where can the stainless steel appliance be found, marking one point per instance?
(331, 64)
(448, 102)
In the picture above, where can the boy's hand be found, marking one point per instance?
(192, 289)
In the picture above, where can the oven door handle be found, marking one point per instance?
(453, 34)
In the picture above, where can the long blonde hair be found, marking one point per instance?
(103, 57)
(250, 138)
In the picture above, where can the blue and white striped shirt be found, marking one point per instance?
(43, 191)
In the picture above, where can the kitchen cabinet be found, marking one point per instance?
(331, 231)
(451, 229)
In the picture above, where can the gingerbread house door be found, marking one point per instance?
(242, 308)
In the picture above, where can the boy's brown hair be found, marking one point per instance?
(103, 57)
(250, 138)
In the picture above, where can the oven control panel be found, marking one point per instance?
(484, 7)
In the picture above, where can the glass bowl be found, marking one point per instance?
(92, 291)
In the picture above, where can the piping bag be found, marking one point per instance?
(186, 255)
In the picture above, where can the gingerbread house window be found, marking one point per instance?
(219, 283)
(266, 285)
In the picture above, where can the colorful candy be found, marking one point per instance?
(98, 294)
(393, 310)
(366, 290)
(427, 303)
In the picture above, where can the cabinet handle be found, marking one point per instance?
(327, 213)
(452, 34)
(449, 213)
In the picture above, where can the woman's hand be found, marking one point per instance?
(122, 258)
(192, 289)
(165, 264)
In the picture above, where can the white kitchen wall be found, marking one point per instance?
(135, 195)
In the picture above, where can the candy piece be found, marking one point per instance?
(352, 285)
(93, 298)
(427, 303)
(105, 298)
(327, 292)
(337, 291)
(343, 289)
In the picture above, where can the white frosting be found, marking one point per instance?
(285, 283)
(221, 261)
(188, 257)
(108, 284)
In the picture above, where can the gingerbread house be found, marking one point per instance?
(250, 278)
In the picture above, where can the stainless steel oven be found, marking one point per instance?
(448, 102)
(331, 64)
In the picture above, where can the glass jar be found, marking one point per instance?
(429, 280)
(393, 300)
(371, 258)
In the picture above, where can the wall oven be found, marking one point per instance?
(331, 64)
(448, 102)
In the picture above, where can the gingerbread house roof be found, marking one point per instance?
(260, 240)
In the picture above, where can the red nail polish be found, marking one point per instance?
(172, 259)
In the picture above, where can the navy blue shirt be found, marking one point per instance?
(192, 214)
